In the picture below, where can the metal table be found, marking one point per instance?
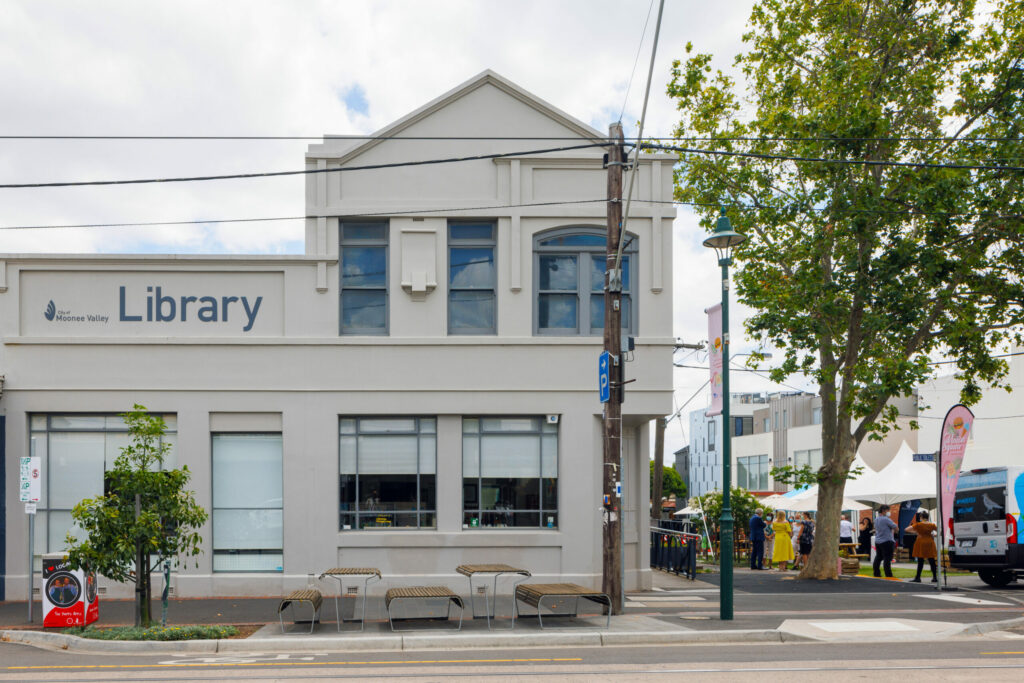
(342, 573)
(495, 570)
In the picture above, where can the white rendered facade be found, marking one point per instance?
(279, 383)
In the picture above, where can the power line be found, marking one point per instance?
(636, 60)
(356, 138)
(342, 169)
(295, 218)
(823, 160)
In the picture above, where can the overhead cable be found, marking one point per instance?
(823, 160)
(311, 171)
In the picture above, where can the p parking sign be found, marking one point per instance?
(30, 481)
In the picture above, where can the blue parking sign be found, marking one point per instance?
(604, 386)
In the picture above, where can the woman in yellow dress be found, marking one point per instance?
(783, 550)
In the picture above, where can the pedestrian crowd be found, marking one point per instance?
(780, 540)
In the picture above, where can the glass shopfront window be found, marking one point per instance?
(75, 451)
(248, 515)
(509, 472)
(387, 469)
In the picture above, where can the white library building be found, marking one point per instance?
(416, 391)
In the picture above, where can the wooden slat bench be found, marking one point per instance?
(533, 594)
(423, 593)
(310, 595)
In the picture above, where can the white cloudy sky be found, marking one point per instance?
(304, 69)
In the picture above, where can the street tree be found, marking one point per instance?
(671, 482)
(145, 517)
(873, 156)
(743, 504)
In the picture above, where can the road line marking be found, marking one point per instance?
(364, 663)
(960, 598)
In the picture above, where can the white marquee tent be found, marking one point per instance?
(902, 479)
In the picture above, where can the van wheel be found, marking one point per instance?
(997, 578)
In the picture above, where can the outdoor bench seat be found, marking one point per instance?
(309, 595)
(423, 593)
(533, 594)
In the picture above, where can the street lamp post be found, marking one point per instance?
(722, 240)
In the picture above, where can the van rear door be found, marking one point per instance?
(979, 513)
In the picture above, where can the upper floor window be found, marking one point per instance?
(711, 435)
(364, 277)
(569, 268)
(471, 278)
(816, 415)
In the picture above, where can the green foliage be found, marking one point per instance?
(860, 273)
(806, 476)
(671, 482)
(165, 527)
(743, 504)
(153, 632)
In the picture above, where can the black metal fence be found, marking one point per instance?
(674, 550)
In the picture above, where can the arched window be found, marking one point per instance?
(568, 282)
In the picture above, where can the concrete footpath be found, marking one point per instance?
(769, 607)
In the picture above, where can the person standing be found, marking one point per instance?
(885, 541)
(782, 530)
(769, 544)
(796, 523)
(806, 538)
(757, 526)
(845, 530)
(867, 528)
(924, 546)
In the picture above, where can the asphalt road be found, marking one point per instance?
(996, 657)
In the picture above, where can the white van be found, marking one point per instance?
(987, 532)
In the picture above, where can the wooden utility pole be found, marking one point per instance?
(659, 465)
(611, 583)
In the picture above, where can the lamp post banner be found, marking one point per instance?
(715, 347)
(956, 430)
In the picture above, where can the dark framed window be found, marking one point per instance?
(387, 470)
(471, 279)
(248, 509)
(364, 277)
(509, 472)
(569, 268)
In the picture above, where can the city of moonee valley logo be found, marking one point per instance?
(51, 310)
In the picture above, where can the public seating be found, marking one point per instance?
(423, 594)
(341, 574)
(534, 594)
(307, 595)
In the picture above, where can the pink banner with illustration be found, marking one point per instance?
(956, 430)
(715, 348)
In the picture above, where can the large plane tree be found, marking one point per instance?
(873, 155)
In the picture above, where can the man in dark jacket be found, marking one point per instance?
(757, 540)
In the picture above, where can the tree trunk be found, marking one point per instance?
(822, 562)
(147, 606)
(659, 463)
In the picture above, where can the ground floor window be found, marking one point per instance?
(387, 469)
(510, 472)
(248, 513)
(75, 451)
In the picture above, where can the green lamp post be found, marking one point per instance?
(722, 240)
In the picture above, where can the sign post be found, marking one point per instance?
(29, 488)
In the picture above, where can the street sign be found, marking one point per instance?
(31, 484)
(604, 385)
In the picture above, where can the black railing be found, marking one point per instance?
(674, 550)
